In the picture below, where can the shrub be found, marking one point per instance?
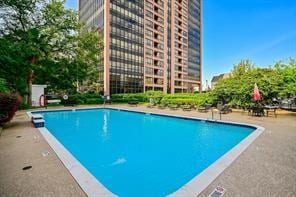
(124, 98)
(155, 95)
(159, 97)
(94, 101)
(188, 99)
(3, 86)
(278, 81)
(9, 104)
(140, 97)
(24, 105)
(85, 98)
(118, 98)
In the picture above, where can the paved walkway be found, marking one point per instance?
(266, 168)
(47, 177)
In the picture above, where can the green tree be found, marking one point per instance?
(22, 40)
(242, 67)
(87, 57)
(41, 41)
(287, 74)
(273, 82)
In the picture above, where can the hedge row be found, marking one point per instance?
(84, 99)
(198, 99)
(140, 97)
(124, 98)
(157, 97)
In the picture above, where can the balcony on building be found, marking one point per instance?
(178, 68)
(179, 61)
(158, 72)
(159, 2)
(179, 53)
(158, 81)
(179, 46)
(158, 63)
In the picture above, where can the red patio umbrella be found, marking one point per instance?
(256, 94)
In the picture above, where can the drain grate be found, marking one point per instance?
(27, 167)
(45, 153)
(218, 192)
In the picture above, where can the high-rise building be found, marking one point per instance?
(148, 45)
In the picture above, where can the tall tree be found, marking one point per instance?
(21, 36)
(287, 72)
(273, 82)
(41, 41)
(242, 67)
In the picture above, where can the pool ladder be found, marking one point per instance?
(213, 117)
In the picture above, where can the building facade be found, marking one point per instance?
(148, 45)
(217, 78)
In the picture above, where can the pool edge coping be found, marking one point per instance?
(92, 186)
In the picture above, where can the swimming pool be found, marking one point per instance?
(139, 154)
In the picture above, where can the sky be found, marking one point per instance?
(263, 31)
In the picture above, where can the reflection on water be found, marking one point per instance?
(105, 123)
(105, 134)
(77, 121)
(119, 161)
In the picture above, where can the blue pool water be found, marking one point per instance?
(135, 154)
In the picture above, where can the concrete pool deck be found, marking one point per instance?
(266, 168)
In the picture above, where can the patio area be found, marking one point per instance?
(266, 168)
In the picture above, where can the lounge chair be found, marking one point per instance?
(204, 109)
(186, 107)
(151, 105)
(133, 103)
(173, 107)
(225, 109)
(271, 109)
(288, 104)
(257, 111)
(193, 106)
(162, 106)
